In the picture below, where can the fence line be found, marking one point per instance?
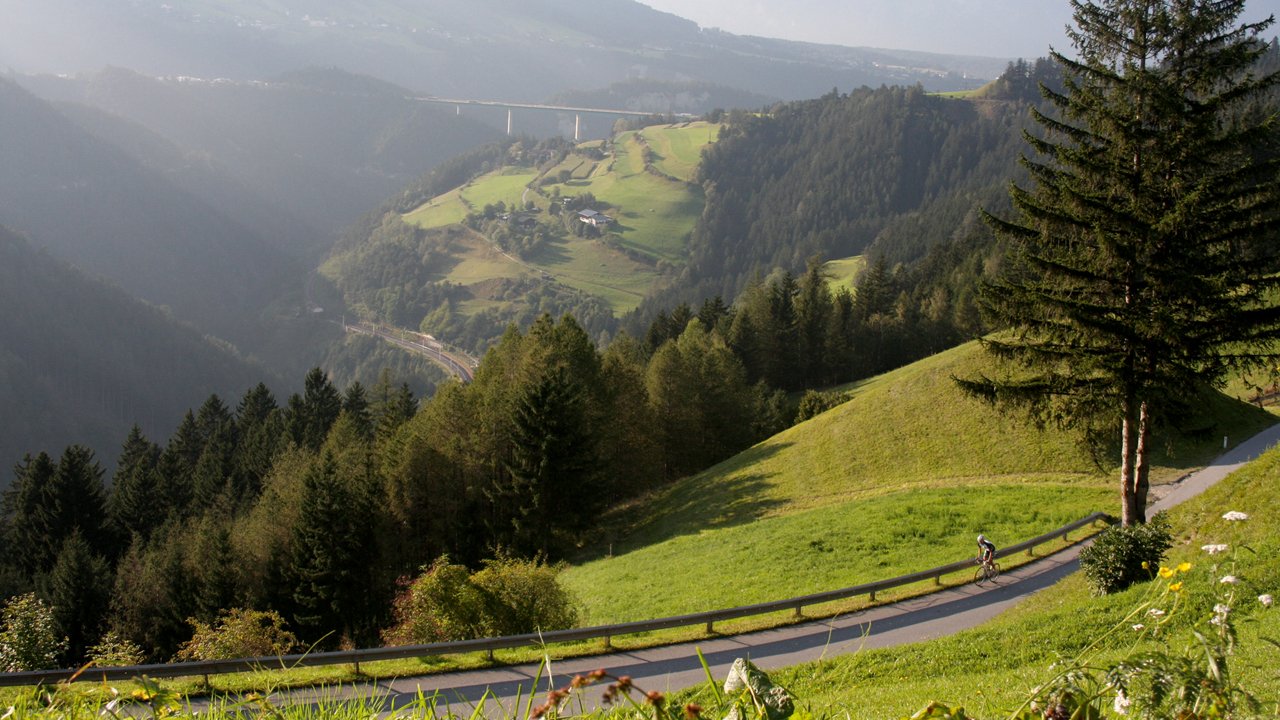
(355, 657)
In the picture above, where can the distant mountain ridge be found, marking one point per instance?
(81, 361)
(494, 49)
(94, 205)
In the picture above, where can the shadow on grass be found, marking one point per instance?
(1195, 437)
(721, 497)
(553, 252)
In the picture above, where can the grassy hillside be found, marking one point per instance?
(641, 179)
(843, 273)
(899, 478)
(992, 669)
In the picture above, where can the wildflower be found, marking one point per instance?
(1214, 549)
(1165, 572)
(1235, 515)
(1184, 567)
(1155, 612)
(1175, 587)
(1220, 613)
(1229, 580)
(1121, 704)
(654, 698)
(597, 674)
(692, 711)
(1266, 600)
(1138, 627)
(143, 694)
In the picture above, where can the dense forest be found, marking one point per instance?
(313, 508)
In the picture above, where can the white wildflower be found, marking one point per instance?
(1229, 580)
(1235, 515)
(1155, 612)
(1266, 600)
(1121, 704)
(1214, 549)
(1138, 627)
(1220, 613)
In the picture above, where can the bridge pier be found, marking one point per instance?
(508, 121)
(577, 127)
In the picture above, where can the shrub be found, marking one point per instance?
(815, 403)
(239, 633)
(524, 596)
(441, 604)
(1122, 556)
(508, 596)
(115, 650)
(28, 640)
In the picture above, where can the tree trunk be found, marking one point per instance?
(1142, 463)
(1129, 513)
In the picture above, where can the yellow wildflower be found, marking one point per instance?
(1184, 567)
(1165, 572)
(1175, 587)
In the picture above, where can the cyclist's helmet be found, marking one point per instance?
(981, 538)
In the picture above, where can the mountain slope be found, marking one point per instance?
(94, 205)
(321, 144)
(906, 446)
(453, 48)
(81, 361)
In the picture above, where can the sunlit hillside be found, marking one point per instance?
(897, 479)
(641, 179)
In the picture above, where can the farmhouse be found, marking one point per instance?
(593, 218)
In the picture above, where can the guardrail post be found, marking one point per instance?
(873, 596)
(798, 613)
(357, 664)
(937, 579)
(1066, 536)
(1031, 552)
(491, 655)
(608, 642)
(710, 627)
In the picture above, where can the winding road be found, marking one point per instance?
(675, 667)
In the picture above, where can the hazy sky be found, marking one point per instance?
(994, 28)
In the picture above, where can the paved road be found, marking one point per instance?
(677, 666)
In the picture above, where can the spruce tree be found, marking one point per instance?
(1142, 260)
(551, 468)
(27, 544)
(134, 505)
(332, 547)
(78, 590)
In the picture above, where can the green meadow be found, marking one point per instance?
(843, 273)
(652, 200)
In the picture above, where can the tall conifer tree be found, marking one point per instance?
(1144, 256)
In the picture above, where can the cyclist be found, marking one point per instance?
(986, 550)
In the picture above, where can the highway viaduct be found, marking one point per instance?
(578, 112)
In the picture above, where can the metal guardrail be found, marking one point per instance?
(355, 657)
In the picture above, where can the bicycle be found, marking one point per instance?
(987, 570)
